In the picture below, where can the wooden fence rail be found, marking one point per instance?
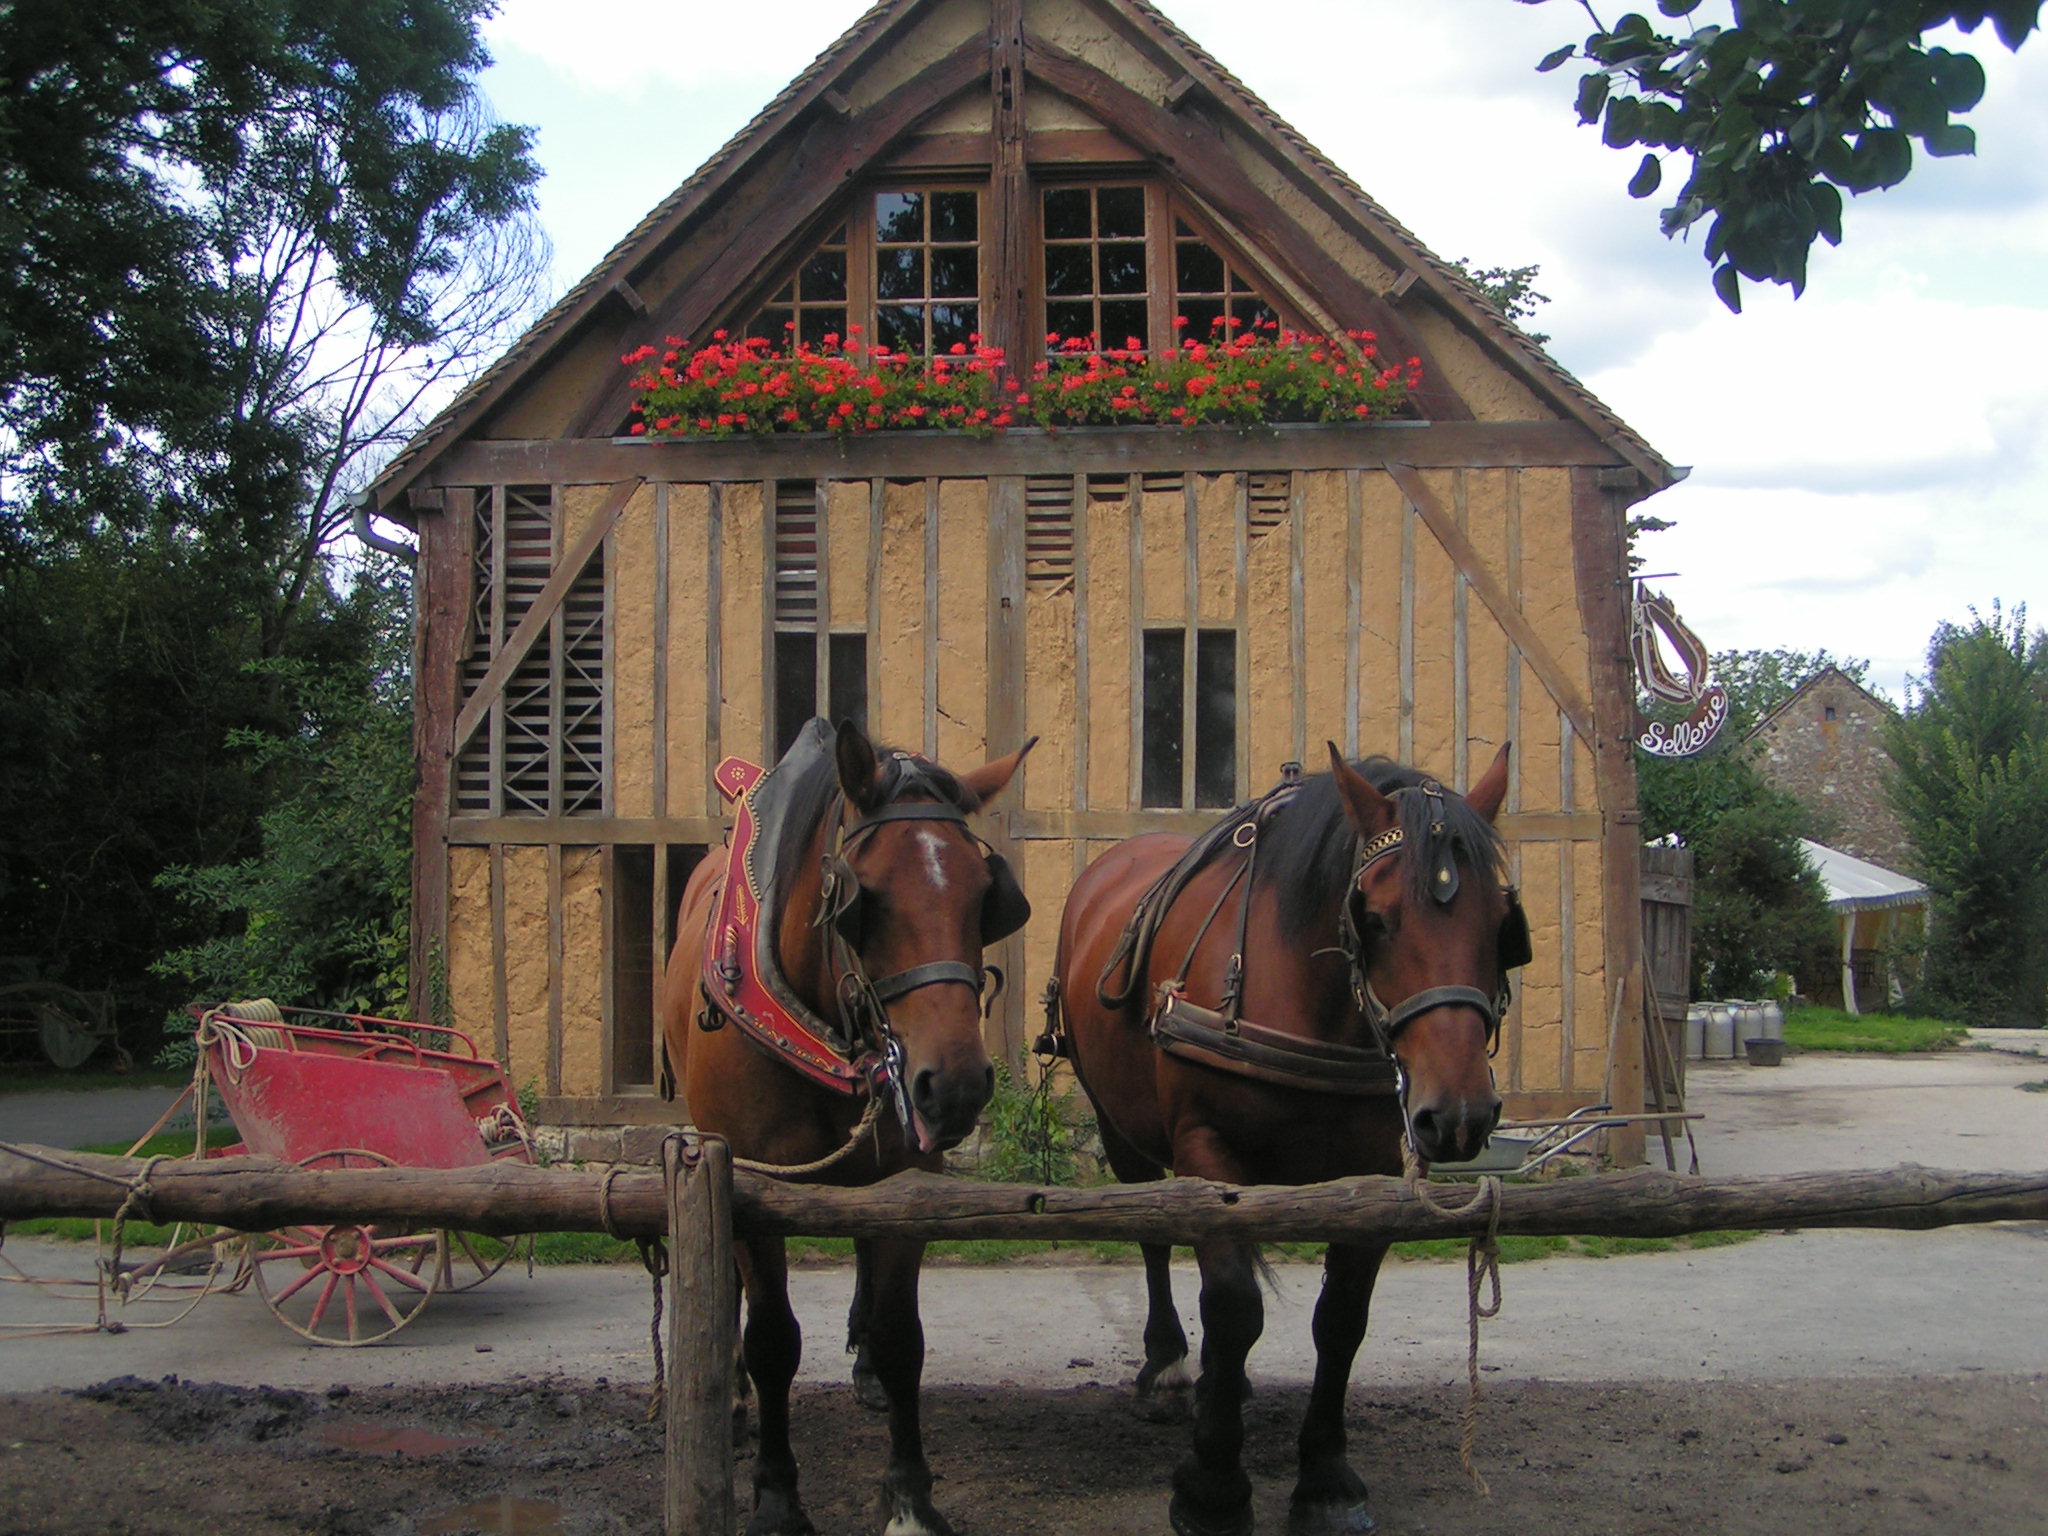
(258, 1194)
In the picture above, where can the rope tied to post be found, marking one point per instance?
(819, 1164)
(1482, 1267)
(134, 1203)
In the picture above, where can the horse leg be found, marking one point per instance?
(1329, 1498)
(896, 1346)
(867, 1389)
(1163, 1385)
(773, 1345)
(1212, 1496)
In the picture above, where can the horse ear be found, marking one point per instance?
(1486, 796)
(858, 769)
(1371, 812)
(987, 781)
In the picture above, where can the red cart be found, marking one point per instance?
(341, 1090)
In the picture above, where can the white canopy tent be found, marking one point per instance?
(1857, 886)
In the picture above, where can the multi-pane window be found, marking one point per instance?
(1188, 754)
(1209, 293)
(803, 642)
(1098, 277)
(812, 304)
(927, 256)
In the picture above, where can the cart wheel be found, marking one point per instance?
(468, 1259)
(345, 1285)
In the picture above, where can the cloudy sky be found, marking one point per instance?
(1867, 461)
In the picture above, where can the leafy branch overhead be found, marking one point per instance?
(1779, 113)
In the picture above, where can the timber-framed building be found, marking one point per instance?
(1173, 612)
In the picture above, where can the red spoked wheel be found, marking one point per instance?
(345, 1285)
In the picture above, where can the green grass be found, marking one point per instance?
(1830, 1029)
(2040, 1085)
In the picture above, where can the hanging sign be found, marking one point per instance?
(1654, 620)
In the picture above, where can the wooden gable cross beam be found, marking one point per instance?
(515, 650)
(1473, 567)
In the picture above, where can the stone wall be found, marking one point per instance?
(1825, 748)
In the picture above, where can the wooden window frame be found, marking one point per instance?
(1164, 209)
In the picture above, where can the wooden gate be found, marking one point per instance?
(1667, 960)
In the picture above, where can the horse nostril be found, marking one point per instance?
(1428, 1135)
(922, 1092)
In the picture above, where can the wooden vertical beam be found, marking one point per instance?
(1600, 561)
(441, 598)
(1461, 671)
(1354, 601)
(821, 619)
(1082, 695)
(1006, 515)
(1135, 793)
(706, 799)
(1241, 575)
(769, 680)
(557, 962)
(878, 491)
(1297, 612)
(1009, 182)
(1191, 597)
(930, 683)
(1407, 633)
(703, 1299)
(501, 1006)
(660, 671)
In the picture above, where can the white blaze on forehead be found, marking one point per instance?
(929, 842)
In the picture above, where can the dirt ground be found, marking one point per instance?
(133, 1458)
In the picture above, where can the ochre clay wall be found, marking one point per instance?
(1353, 624)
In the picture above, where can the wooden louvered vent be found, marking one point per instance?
(1049, 531)
(541, 751)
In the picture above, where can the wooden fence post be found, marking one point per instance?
(703, 1299)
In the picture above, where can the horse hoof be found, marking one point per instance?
(1165, 1394)
(1186, 1522)
(869, 1392)
(907, 1507)
(1330, 1519)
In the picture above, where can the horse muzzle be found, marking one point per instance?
(1453, 1129)
(946, 1104)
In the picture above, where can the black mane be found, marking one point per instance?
(1307, 851)
(903, 776)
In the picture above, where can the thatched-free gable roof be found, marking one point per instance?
(609, 282)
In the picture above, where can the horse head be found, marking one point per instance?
(1432, 930)
(911, 897)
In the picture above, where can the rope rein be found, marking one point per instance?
(1482, 1267)
(819, 1164)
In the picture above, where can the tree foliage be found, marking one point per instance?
(1778, 113)
(1759, 908)
(247, 248)
(1971, 784)
(319, 914)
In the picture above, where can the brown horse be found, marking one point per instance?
(1228, 1024)
(882, 900)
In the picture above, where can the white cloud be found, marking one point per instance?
(637, 46)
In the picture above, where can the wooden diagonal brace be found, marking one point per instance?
(1473, 567)
(506, 662)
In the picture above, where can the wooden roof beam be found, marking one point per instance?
(832, 153)
(1197, 154)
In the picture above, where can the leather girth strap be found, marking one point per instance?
(1188, 1032)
